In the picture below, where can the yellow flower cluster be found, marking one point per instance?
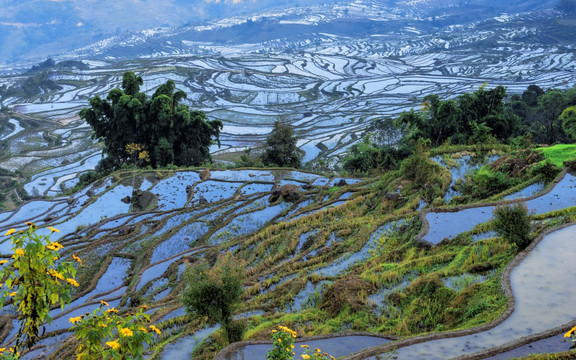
(72, 282)
(74, 320)
(113, 344)
(77, 259)
(55, 274)
(10, 232)
(54, 246)
(155, 329)
(11, 350)
(126, 332)
(288, 330)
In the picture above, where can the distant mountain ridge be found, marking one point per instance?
(38, 29)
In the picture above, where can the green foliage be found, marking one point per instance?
(283, 347)
(280, 148)
(106, 335)
(161, 126)
(215, 292)
(568, 119)
(546, 169)
(558, 154)
(472, 118)
(33, 281)
(366, 156)
(512, 222)
(485, 182)
(282, 344)
(541, 111)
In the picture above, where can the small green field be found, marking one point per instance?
(557, 154)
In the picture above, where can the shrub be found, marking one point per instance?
(35, 280)
(546, 169)
(280, 148)
(485, 182)
(215, 292)
(106, 335)
(512, 222)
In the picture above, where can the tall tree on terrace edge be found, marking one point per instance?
(161, 125)
(280, 148)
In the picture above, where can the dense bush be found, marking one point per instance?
(280, 148)
(367, 156)
(485, 182)
(546, 169)
(215, 292)
(512, 222)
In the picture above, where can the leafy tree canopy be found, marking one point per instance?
(166, 130)
(280, 148)
(471, 117)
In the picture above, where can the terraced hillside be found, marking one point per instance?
(314, 82)
(334, 256)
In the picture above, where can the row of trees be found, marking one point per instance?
(484, 116)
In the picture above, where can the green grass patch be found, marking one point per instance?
(557, 154)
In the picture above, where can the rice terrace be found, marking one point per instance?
(361, 179)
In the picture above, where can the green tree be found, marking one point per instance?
(280, 148)
(512, 222)
(215, 292)
(479, 115)
(166, 129)
(568, 119)
(550, 106)
(34, 280)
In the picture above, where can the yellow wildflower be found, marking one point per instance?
(53, 229)
(113, 344)
(74, 320)
(317, 350)
(305, 346)
(54, 246)
(111, 310)
(126, 332)
(13, 293)
(2, 262)
(279, 340)
(155, 329)
(10, 232)
(72, 282)
(19, 252)
(55, 274)
(144, 307)
(305, 356)
(569, 333)
(77, 259)
(28, 223)
(102, 302)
